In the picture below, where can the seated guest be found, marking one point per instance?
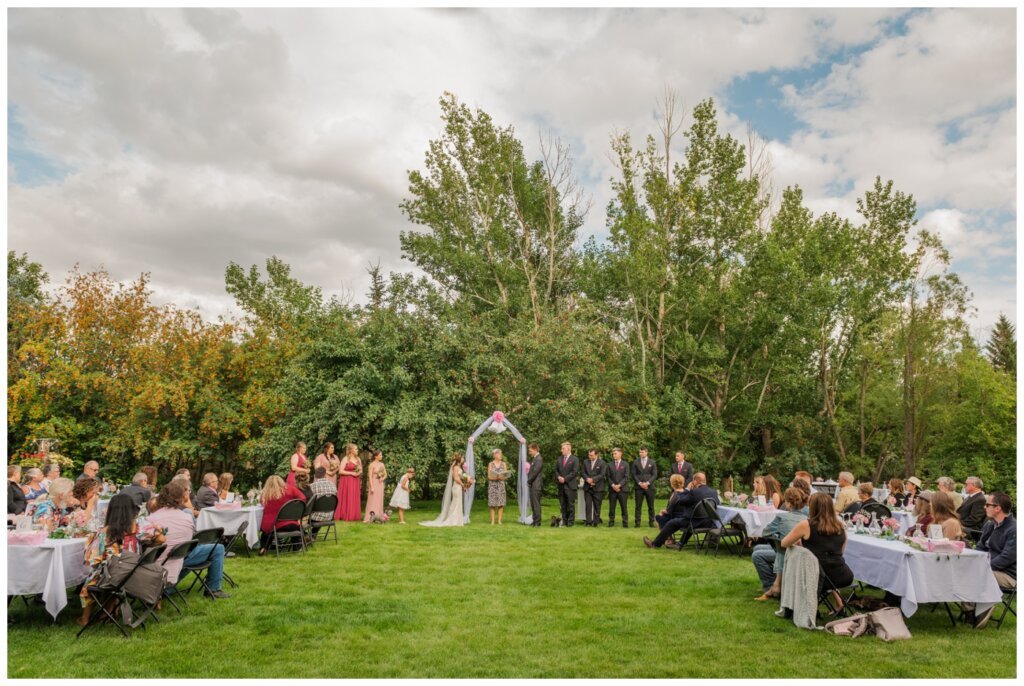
(769, 488)
(90, 469)
(806, 476)
(150, 472)
(999, 540)
(224, 485)
(51, 472)
(207, 496)
(948, 486)
(972, 510)
(174, 512)
(139, 490)
(183, 479)
(275, 494)
(897, 496)
(55, 510)
(769, 563)
(864, 497)
(847, 494)
(683, 512)
(805, 486)
(678, 484)
(823, 534)
(85, 495)
(16, 501)
(321, 486)
(913, 487)
(303, 485)
(119, 534)
(33, 484)
(944, 513)
(922, 515)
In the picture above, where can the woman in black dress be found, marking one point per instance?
(823, 534)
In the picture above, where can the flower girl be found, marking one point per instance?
(400, 498)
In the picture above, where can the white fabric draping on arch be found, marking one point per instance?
(497, 423)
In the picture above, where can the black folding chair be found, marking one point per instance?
(200, 570)
(1009, 595)
(324, 504)
(230, 540)
(178, 552)
(878, 509)
(291, 511)
(149, 557)
(713, 535)
(118, 601)
(828, 588)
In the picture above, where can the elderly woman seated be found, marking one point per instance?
(864, 497)
(768, 562)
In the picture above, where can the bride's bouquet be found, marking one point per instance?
(467, 481)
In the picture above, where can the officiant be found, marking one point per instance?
(595, 472)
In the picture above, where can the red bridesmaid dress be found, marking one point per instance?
(291, 473)
(348, 494)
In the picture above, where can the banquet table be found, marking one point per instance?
(905, 518)
(917, 577)
(754, 521)
(211, 518)
(49, 568)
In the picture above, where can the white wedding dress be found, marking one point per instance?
(451, 503)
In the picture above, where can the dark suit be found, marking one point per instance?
(646, 474)
(569, 469)
(139, 495)
(972, 513)
(618, 476)
(16, 501)
(594, 494)
(535, 482)
(685, 506)
(206, 497)
(685, 469)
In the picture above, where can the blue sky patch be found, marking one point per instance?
(30, 167)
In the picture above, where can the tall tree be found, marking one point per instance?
(1002, 346)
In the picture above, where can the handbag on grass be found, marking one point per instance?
(889, 625)
(855, 626)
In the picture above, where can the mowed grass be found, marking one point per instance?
(482, 601)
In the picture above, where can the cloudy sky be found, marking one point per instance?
(176, 141)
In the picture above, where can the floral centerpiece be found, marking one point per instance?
(742, 500)
(890, 527)
(860, 522)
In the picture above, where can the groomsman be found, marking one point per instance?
(567, 469)
(618, 487)
(683, 468)
(595, 471)
(535, 480)
(645, 471)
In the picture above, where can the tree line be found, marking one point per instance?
(719, 318)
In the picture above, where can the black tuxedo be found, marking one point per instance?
(682, 511)
(684, 468)
(972, 513)
(569, 469)
(535, 482)
(648, 474)
(618, 476)
(593, 494)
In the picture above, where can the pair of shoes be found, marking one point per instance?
(216, 594)
(401, 522)
(625, 525)
(263, 551)
(672, 545)
(766, 596)
(648, 542)
(637, 523)
(982, 619)
(230, 554)
(611, 524)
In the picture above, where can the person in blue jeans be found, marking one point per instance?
(767, 561)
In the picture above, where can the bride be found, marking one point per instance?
(451, 504)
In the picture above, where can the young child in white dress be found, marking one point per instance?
(400, 498)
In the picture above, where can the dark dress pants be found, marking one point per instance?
(567, 504)
(669, 528)
(535, 504)
(620, 498)
(639, 496)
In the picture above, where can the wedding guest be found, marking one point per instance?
(298, 463)
(897, 496)
(769, 563)
(922, 515)
(173, 512)
(685, 506)
(206, 496)
(185, 477)
(948, 486)
(400, 498)
(322, 486)
(567, 470)
(595, 471)
(806, 476)
(150, 472)
(618, 488)
(999, 540)
(865, 496)
(375, 486)
(302, 485)
(139, 491)
(972, 509)
(16, 501)
(534, 481)
(86, 494)
(348, 485)
(90, 469)
(847, 492)
(644, 472)
(51, 472)
(804, 485)
(274, 495)
(497, 472)
(224, 485)
(913, 486)
(33, 486)
(773, 491)
(678, 484)
(682, 467)
(823, 534)
(944, 513)
(55, 510)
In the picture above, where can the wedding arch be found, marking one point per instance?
(497, 423)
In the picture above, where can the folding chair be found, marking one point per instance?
(291, 511)
(707, 510)
(178, 552)
(230, 540)
(321, 504)
(115, 596)
(150, 556)
(304, 523)
(878, 509)
(200, 570)
(1009, 595)
(828, 588)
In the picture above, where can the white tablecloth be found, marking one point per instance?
(48, 568)
(755, 521)
(906, 519)
(917, 577)
(211, 518)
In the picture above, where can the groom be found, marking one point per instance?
(567, 469)
(594, 473)
(535, 481)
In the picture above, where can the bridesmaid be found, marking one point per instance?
(299, 462)
(348, 485)
(375, 486)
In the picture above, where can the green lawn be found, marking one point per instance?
(407, 601)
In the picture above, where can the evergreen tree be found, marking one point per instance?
(1002, 346)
